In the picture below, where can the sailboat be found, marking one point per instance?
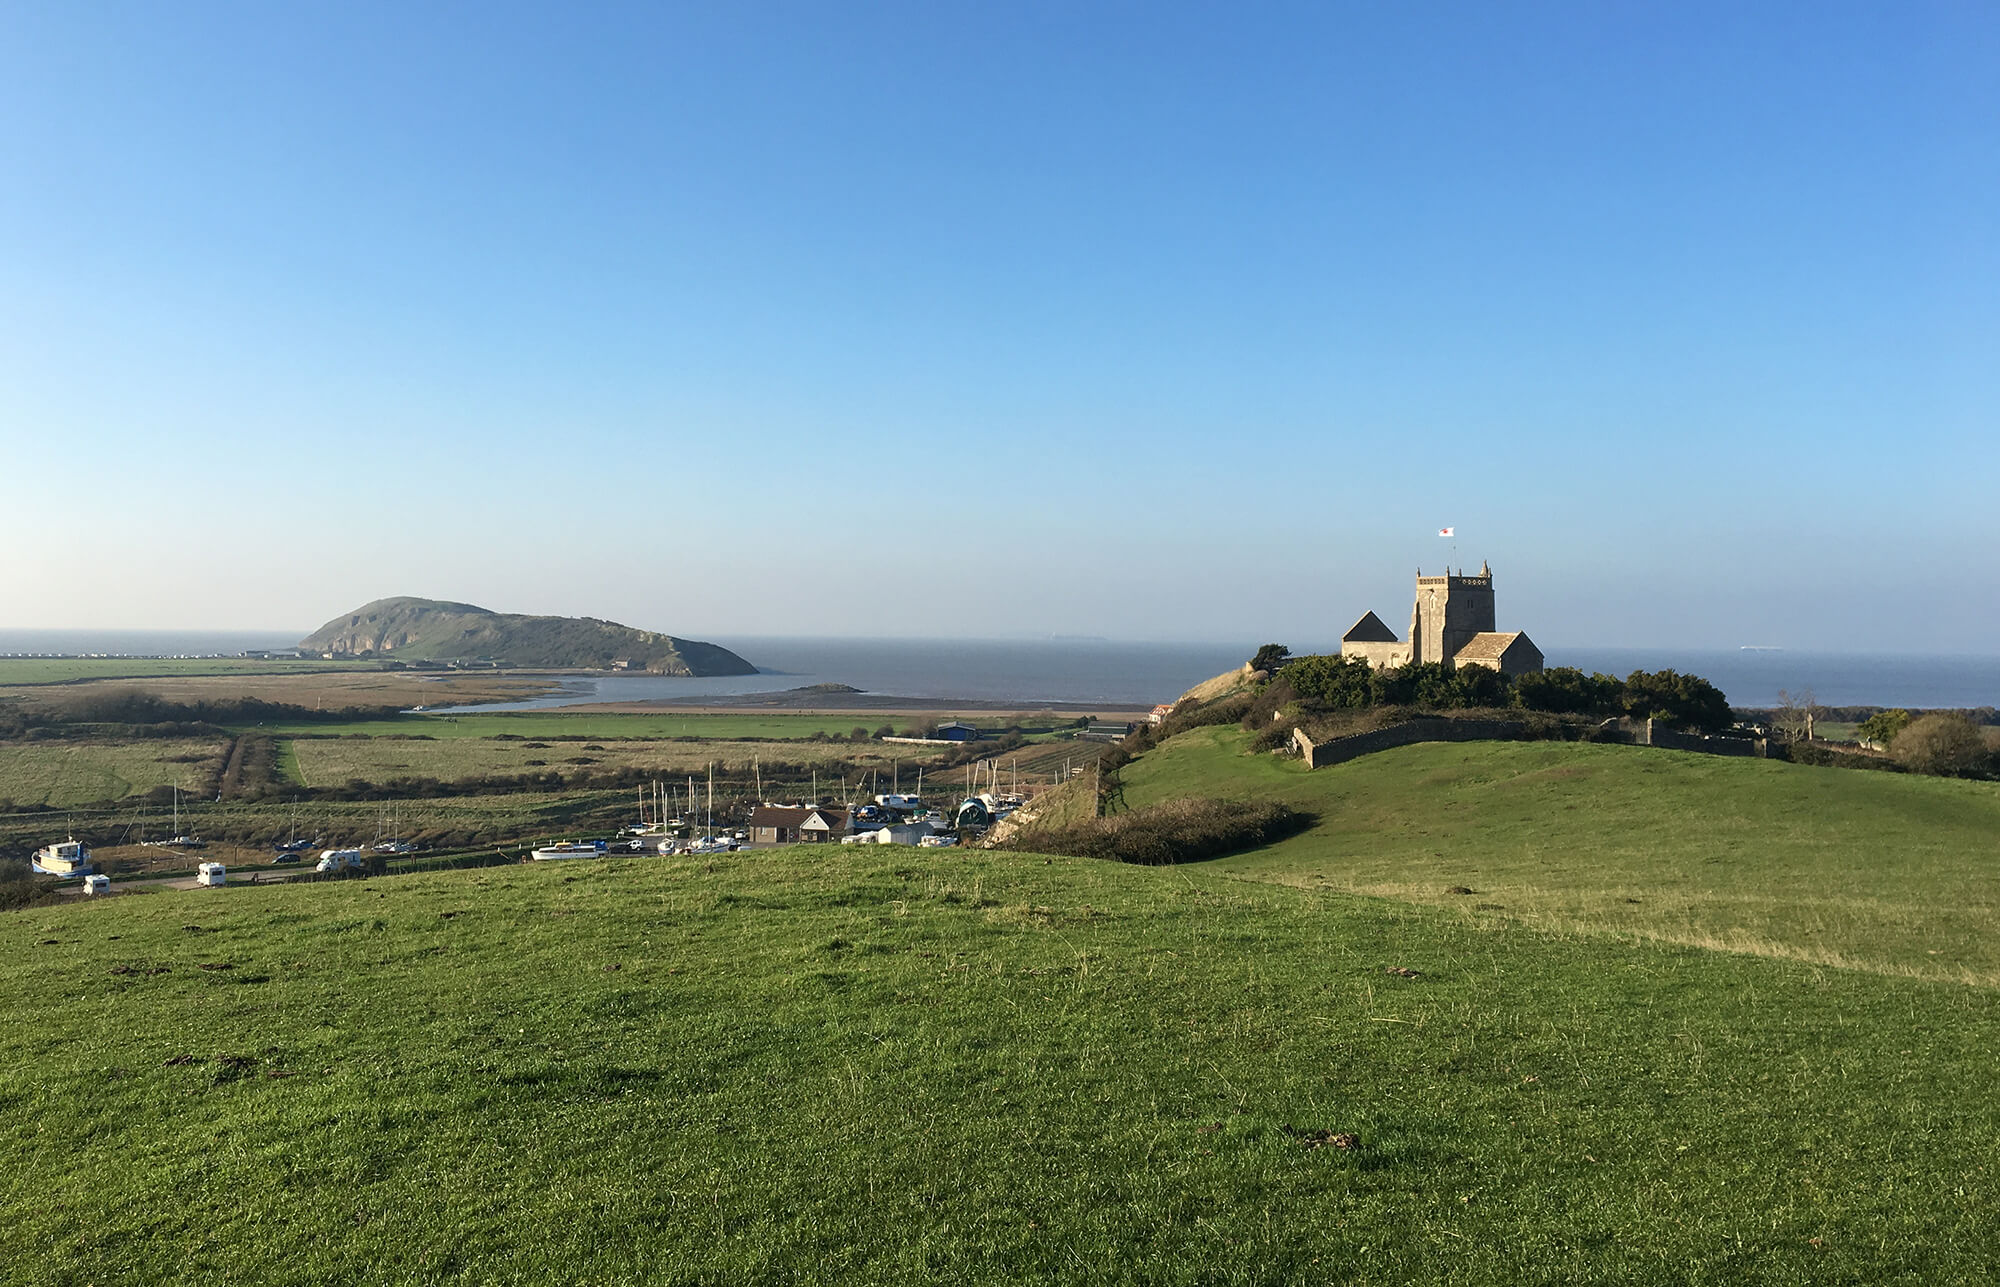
(295, 845)
(180, 840)
(651, 823)
(710, 843)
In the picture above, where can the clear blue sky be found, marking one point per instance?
(1141, 320)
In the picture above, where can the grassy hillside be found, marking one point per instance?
(912, 1065)
(904, 1066)
(1881, 871)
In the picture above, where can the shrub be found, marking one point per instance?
(1565, 690)
(1223, 710)
(1176, 831)
(1944, 743)
(1332, 682)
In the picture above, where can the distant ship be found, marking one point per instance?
(64, 858)
(1760, 648)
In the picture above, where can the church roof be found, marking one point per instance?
(1369, 630)
(1491, 645)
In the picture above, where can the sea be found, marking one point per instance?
(1120, 673)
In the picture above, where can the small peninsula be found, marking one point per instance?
(411, 629)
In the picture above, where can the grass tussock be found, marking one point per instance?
(1188, 829)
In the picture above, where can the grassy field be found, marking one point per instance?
(917, 1066)
(331, 685)
(1881, 871)
(60, 774)
(331, 761)
(65, 670)
(600, 725)
(1704, 1020)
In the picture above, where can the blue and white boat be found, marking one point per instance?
(64, 858)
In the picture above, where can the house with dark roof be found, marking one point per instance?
(772, 824)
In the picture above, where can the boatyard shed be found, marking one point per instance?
(772, 824)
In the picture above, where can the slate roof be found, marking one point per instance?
(1369, 630)
(772, 815)
(1491, 645)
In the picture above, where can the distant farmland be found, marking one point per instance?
(61, 774)
(331, 761)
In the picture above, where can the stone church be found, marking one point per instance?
(1452, 622)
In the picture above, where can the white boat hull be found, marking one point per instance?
(555, 853)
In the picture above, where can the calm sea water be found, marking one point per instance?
(1134, 674)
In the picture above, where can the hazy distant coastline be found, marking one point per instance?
(1120, 673)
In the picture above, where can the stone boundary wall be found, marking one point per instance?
(1339, 750)
(1657, 734)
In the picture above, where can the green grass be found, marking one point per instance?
(60, 774)
(547, 724)
(332, 761)
(908, 1066)
(935, 1066)
(63, 670)
(1884, 871)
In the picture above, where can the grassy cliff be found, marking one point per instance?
(432, 630)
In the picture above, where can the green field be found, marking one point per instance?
(931, 1066)
(1881, 871)
(60, 774)
(66, 670)
(548, 724)
(331, 761)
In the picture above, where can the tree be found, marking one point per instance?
(1270, 658)
(1946, 743)
(1685, 700)
(1881, 727)
(1565, 690)
(1480, 686)
(1797, 713)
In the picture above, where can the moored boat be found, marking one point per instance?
(64, 858)
(570, 849)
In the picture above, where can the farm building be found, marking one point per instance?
(957, 732)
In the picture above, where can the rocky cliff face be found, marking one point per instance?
(433, 630)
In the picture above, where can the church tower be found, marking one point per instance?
(1449, 610)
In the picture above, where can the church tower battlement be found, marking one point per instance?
(1448, 612)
